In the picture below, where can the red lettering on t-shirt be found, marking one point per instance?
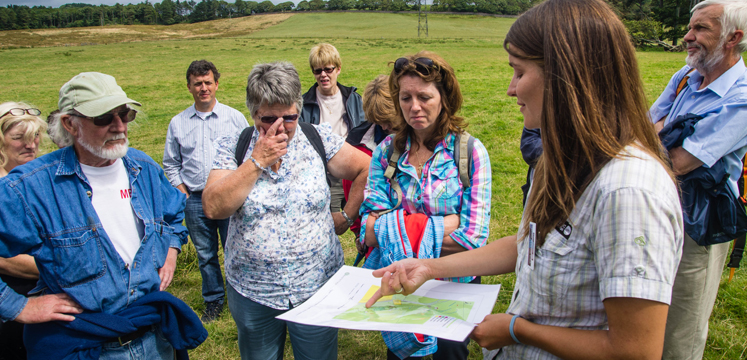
(125, 193)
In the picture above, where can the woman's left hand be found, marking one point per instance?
(341, 224)
(492, 332)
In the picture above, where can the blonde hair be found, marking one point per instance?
(324, 54)
(34, 125)
(378, 106)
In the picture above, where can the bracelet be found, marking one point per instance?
(347, 218)
(511, 328)
(256, 163)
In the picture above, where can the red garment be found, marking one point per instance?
(415, 227)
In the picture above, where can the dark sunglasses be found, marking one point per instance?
(19, 112)
(125, 115)
(328, 70)
(422, 65)
(271, 119)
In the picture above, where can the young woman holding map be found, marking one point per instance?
(601, 236)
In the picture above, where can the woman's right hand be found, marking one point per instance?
(402, 277)
(270, 145)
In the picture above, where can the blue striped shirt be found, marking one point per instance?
(188, 154)
(722, 133)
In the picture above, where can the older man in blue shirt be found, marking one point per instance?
(187, 160)
(104, 226)
(715, 87)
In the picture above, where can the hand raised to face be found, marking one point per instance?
(271, 144)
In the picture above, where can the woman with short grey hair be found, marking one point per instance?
(281, 245)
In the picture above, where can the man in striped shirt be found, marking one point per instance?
(187, 159)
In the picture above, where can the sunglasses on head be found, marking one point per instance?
(19, 112)
(271, 119)
(125, 115)
(325, 69)
(422, 65)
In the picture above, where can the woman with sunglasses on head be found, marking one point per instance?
(601, 235)
(20, 129)
(443, 213)
(281, 245)
(329, 102)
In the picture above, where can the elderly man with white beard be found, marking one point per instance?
(105, 227)
(711, 90)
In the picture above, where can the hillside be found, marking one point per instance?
(128, 33)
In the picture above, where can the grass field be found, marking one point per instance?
(153, 72)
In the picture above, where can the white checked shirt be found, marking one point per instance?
(624, 240)
(188, 153)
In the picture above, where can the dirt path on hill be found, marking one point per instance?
(129, 33)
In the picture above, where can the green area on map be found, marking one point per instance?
(410, 309)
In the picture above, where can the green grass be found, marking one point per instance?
(153, 72)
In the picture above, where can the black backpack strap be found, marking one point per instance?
(244, 139)
(316, 141)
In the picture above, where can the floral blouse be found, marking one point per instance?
(281, 245)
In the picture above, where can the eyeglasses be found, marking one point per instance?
(19, 112)
(125, 115)
(271, 119)
(327, 70)
(422, 65)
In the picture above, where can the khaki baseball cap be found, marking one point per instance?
(92, 94)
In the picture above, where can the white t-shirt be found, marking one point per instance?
(111, 190)
(331, 110)
(203, 115)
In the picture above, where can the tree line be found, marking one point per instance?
(645, 19)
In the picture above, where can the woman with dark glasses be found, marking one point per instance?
(281, 245)
(20, 129)
(601, 235)
(427, 190)
(329, 102)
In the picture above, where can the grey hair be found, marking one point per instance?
(732, 19)
(273, 83)
(57, 132)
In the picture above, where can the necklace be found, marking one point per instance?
(322, 102)
(419, 164)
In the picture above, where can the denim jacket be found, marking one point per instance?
(46, 211)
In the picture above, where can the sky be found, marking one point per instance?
(58, 3)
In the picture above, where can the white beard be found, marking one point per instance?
(706, 61)
(114, 153)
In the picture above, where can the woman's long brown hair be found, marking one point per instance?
(442, 75)
(593, 105)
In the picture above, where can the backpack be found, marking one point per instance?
(463, 146)
(309, 130)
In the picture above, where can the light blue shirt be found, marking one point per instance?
(722, 133)
(188, 153)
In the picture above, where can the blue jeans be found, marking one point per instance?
(152, 345)
(262, 336)
(204, 234)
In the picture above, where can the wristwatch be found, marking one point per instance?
(347, 218)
